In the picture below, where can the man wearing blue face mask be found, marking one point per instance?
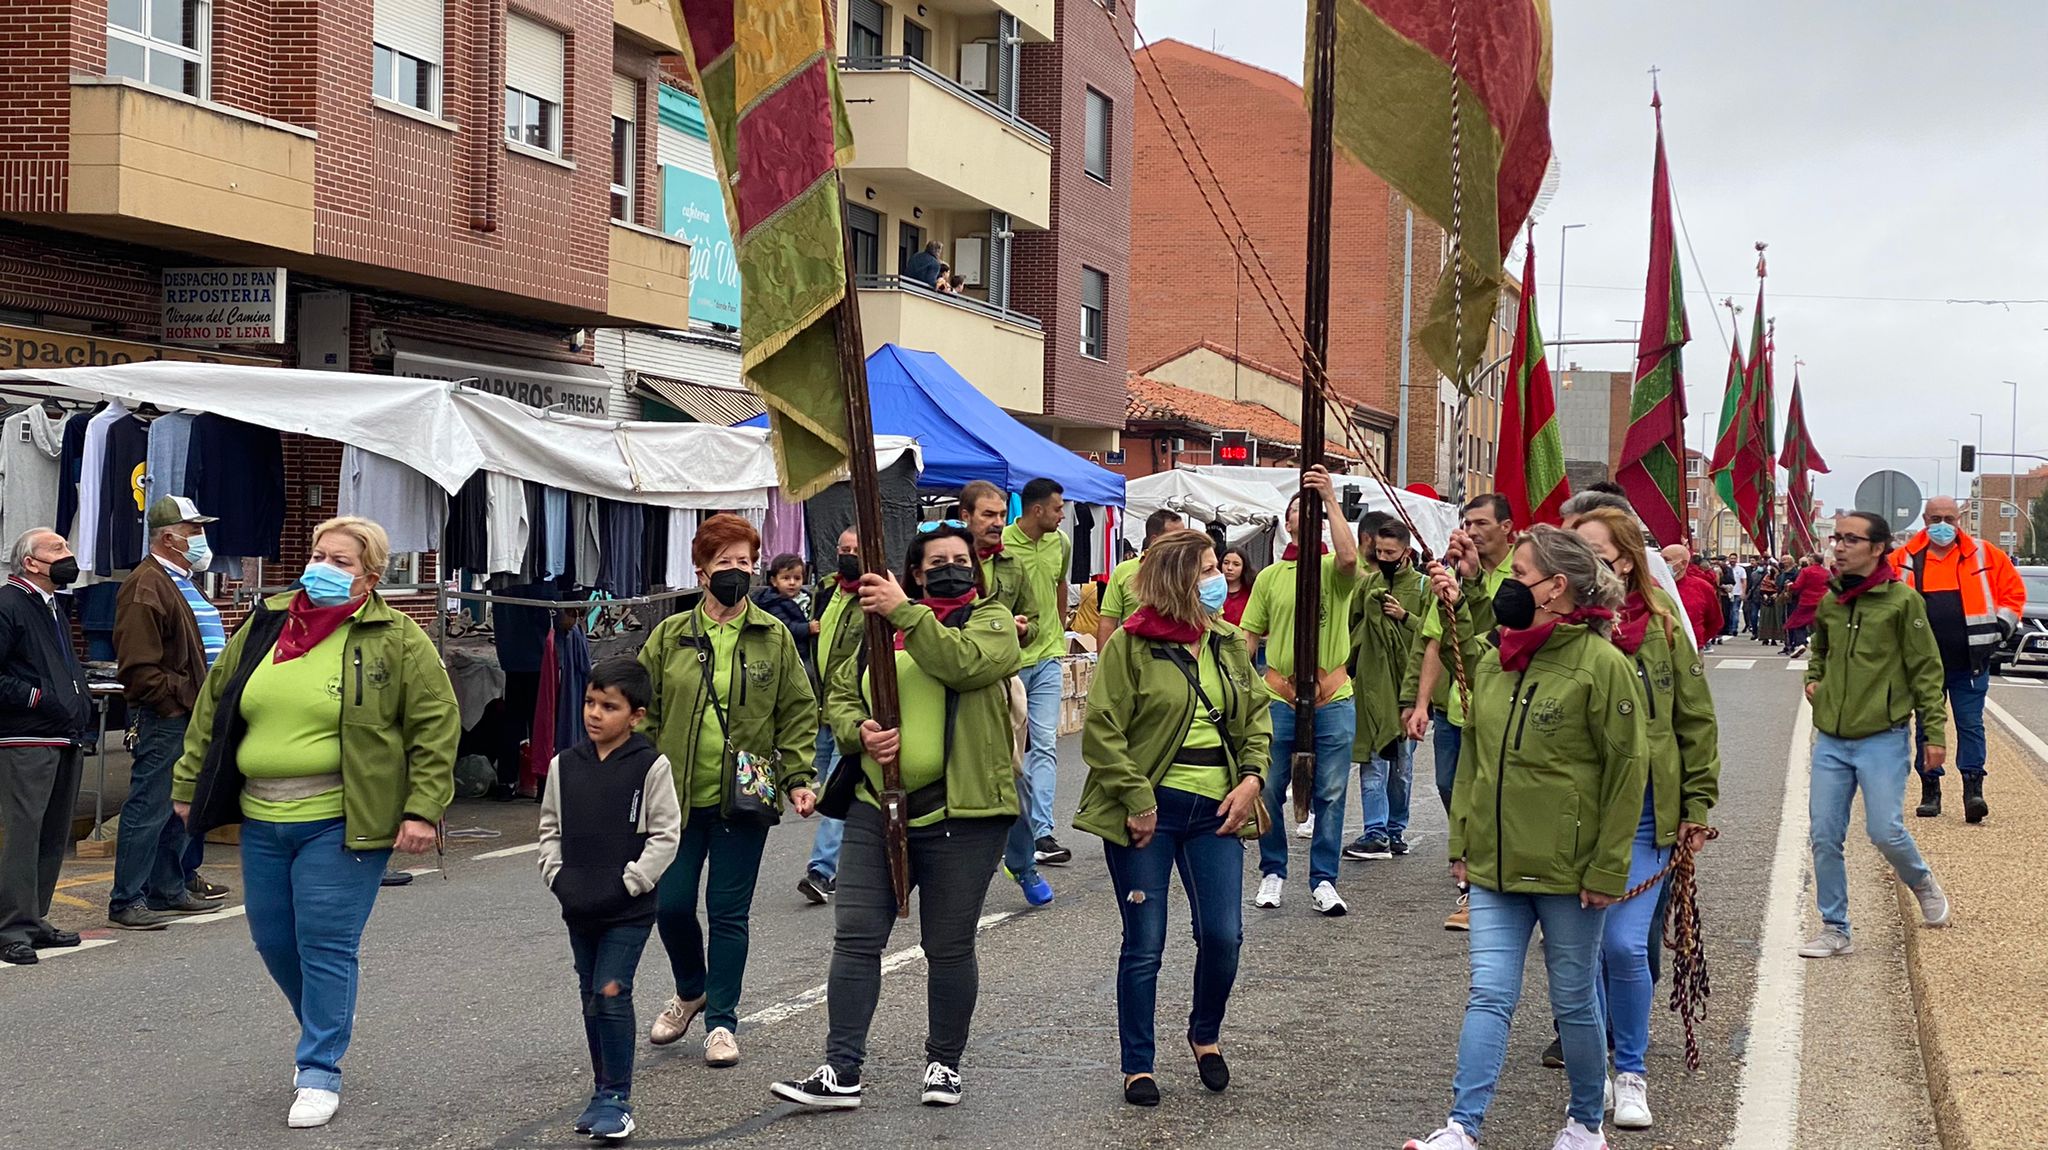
(166, 635)
(1974, 601)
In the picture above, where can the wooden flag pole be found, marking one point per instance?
(1308, 570)
(861, 469)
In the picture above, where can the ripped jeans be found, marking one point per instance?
(606, 957)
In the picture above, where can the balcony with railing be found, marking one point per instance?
(946, 144)
(999, 351)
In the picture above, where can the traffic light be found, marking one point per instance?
(1235, 449)
(1969, 460)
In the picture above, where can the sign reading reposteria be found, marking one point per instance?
(224, 305)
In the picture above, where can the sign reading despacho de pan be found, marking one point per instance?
(24, 348)
(224, 305)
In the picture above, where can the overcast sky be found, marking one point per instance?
(1891, 153)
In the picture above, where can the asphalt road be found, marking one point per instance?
(469, 1035)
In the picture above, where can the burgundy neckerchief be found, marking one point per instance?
(1146, 623)
(307, 626)
(850, 586)
(1883, 574)
(943, 608)
(1518, 647)
(1292, 551)
(1633, 624)
(988, 553)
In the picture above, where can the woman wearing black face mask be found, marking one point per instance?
(954, 650)
(734, 712)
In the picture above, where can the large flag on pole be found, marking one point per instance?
(1800, 460)
(1393, 77)
(1652, 468)
(1751, 465)
(1726, 438)
(1530, 468)
(764, 71)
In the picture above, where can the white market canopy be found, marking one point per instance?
(1242, 509)
(1243, 491)
(449, 432)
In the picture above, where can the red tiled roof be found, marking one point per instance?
(1152, 400)
(1287, 374)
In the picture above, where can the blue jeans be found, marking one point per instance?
(1501, 925)
(1212, 873)
(1020, 849)
(1383, 788)
(308, 897)
(1448, 740)
(149, 853)
(1627, 985)
(1878, 765)
(825, 844)
(1731, 613)
(1966, 698)
(1336, 726)
(1041, 756)
(606, 958)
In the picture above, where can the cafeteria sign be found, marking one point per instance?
(224, 305)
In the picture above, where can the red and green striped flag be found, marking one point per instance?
(1749, 466)
(1800, 461)
(1393, 84)
(1761, 458)
(1652, 468)
(1530, 470)
(1727, 439)
(765, 72)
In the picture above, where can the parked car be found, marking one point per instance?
(2026, 650)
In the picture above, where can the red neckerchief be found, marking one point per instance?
(988, 553)
(307, 626)
(1518, 647)
(1632, 625)
(1883, 574)
(850, 586)
(943, 608)
(1293, 550)
(1146, 623)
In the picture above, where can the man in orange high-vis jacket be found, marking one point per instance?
(1974, 600)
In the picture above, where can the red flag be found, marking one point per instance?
(1530, 470)
(1800, 460)
(1752, 462)
(1652, 468)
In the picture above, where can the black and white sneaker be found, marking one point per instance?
(1398, 845)
(815, 887)
(1051, 853)
(941, 1085)
(823, 1090)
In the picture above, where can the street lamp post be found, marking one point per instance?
(1977, 514)
(2013, 464)
(1564, 233)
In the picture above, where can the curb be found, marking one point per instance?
(1948, 1119)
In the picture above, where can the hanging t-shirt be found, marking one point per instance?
(235, 472)
(654, 539)
(678, 571)
(122, 496)
(533, 565)
(555, 520)
(170, 444)
(466, 541)
(69, 463)
(411, 508)
(507, 526)
(91, 476)
(587, 541)
(31, 447)
(624, 528)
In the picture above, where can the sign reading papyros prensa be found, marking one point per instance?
(224, 305)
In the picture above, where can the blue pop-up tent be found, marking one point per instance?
(965, 436)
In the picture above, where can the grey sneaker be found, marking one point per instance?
(187, 903)
(1830, 943)
(140, 917)
(1933, 903)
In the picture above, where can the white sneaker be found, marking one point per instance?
(1606, 1094)
(1933, 903)
(1631, 1102)
(1269, 891)
(1306, 830)
(1577, 1137)
(312, 1107)
(1451, 1137)
(1829, 943)
(1326, 901)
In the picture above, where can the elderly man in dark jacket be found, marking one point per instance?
(45, 711)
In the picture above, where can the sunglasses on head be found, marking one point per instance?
(931, 525)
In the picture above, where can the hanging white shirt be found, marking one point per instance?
(506, 525)
(91, 463)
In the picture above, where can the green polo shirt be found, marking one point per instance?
(1209, 782)
(1045, 564)
(1118, 601)
(707, 785)
(1271, 614)
(1433, 628)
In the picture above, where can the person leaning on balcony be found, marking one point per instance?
(925, 267)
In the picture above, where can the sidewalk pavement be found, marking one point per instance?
(1981, 985)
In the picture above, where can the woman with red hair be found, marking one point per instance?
(734, 712)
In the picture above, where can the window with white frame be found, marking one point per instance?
(407, 68)
(533, 84)
(1101, 112)
(1094, 310)
(162, 43)
(625, 115)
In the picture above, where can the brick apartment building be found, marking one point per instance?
(1253, 127)
(2002, 508)
(451, 189)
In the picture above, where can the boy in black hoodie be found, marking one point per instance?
(609, 825)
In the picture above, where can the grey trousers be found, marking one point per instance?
(951, 863)
(38, 788)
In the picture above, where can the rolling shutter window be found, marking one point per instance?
(412, 27)
(625, 97)
(533, 59)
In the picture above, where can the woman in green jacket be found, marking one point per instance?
(1176, 742)
(1544, 809)
(735, 714)
(955, 648)
(1685, 780)
(327, 729)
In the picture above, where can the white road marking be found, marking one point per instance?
(1735, 664)
(508, 852)
(797, 1004)
(1795, 664)
(221, 915)
(420, 870)
(1767, 1104)
(2028, 738)
(61, 952)
(2005, 681)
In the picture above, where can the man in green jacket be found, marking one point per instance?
(1386, 616)
(1874, 665)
